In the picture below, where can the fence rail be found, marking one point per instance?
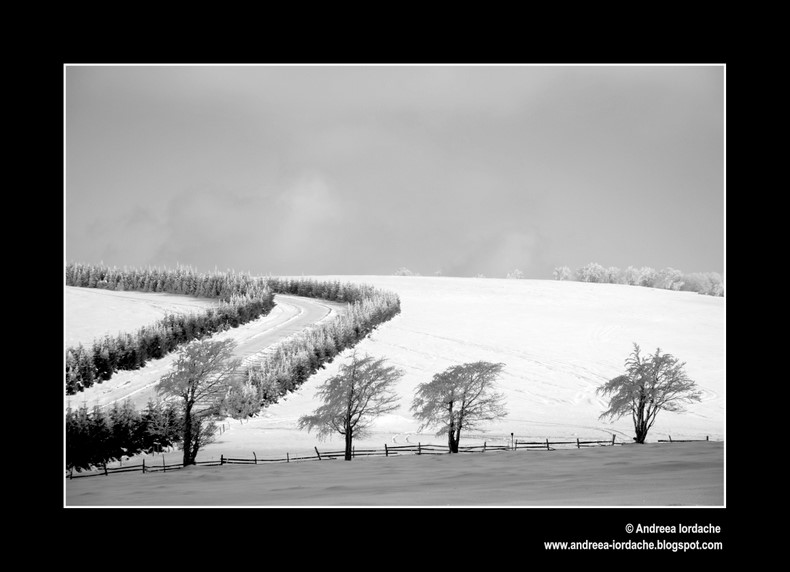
(671, 440)
(387, 451)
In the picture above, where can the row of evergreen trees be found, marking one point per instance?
(181, 280)
(333, 291)
(242, 299)
(95, 436)
(293, 361)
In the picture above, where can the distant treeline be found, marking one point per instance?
(241, 300)
(708, 283)
(95, 436)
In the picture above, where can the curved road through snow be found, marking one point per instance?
(291, 315)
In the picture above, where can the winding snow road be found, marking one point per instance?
(291, 315)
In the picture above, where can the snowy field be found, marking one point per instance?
(91, 313)
(651, 475)
(558, 340)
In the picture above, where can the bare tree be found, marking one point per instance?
(461, 397)
(651, 384)
(358, 394)
(200, 379)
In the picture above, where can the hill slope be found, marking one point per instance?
(558, 341)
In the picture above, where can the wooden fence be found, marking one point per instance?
(670, 440)
(546, 445)
(387, 451)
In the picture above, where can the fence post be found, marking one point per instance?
(511, 442)
(164, 467)
(419, 449)
(613, 436)
(547, 444)
(670, 438)
(256, 457)
(105, 467)
(222, 459)
(143, 465)
(578, 446)
(386, 452)
(707, 437)
(317, 453)
(484, 446)
(287, 457)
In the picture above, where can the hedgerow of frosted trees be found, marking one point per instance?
(709, 283)
(292, 362)
(242, 299)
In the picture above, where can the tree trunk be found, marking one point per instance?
(451, 444)
(187, 443)
(641, 433)
(452, 441)
(197, 438)
(349, 438)
(457, 437)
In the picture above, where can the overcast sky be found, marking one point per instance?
(365, 169)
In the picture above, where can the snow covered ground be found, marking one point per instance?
(558, 340)
(651, 475)
(91, 313)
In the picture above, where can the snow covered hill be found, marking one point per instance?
(558, 340)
